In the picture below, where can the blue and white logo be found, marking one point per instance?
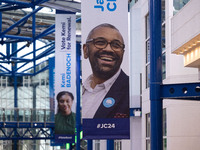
(108, 102)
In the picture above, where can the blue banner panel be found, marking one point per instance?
(64, 138)
(105, 69)
(52, 83)
(114, 128)
(65, 77)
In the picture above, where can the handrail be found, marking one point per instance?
(26, 115)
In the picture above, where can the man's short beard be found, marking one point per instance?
(98, 70)
(105, 75)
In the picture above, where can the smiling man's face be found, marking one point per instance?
(105, 62)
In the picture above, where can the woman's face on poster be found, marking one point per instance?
(65, 104)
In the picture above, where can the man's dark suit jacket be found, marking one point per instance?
(119, 91)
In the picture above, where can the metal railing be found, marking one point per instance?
(26, 115)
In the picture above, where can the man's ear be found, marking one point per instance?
(85, 51)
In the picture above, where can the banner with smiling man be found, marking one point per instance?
(65, 77)
(105, 69)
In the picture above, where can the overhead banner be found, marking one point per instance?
(105, 69)
(65, 77)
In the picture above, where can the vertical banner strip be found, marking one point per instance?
(52, 84)
(65, 77)
(105, 69)
(78, 106)
(51, 91)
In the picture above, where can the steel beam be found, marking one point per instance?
(34, 42)
(21, 48)
(43, 54)
(18, 37)
(8, 8)
(2, 55)
(184, 91)
(17, 2)
(20, 21)
(44, 32)
(26, 134)
(38, 2)
(5, 68)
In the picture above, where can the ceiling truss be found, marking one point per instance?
(26, 22)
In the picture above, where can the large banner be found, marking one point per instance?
(65, 77)
(105, 69)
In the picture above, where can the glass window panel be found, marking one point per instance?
(27, 115)
(133, 1)
(148, 129)
(9, 114)
(164, 122)
(147, 75)
(1, 115)
(164, 66)
(48, 116)
(148, 51)
(97, 144)
(117, 145)
(163, 10)
(21, 115)
(40, 115)
(165, 144)
(147, 26)
(148, 144)
(163, 38)
(178, 4)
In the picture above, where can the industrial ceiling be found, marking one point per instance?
(26, 22)
(12, 11)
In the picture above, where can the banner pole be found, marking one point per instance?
(65, 76)
(89, 144)
(78, 82)
(110, 144)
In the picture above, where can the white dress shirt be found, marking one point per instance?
(92, 98)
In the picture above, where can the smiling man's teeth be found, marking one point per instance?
(107, 58)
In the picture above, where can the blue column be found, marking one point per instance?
(14, 66)
(0, 20)
(155, 75)
(34, 63)
(110, 144)
(34, 40)
(89, 144)
(78, 82)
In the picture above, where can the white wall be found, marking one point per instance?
(182, 116)
(137, 61)
(183, 121)
(186, 24)
(183, 132)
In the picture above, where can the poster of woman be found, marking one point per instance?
(65, 77)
